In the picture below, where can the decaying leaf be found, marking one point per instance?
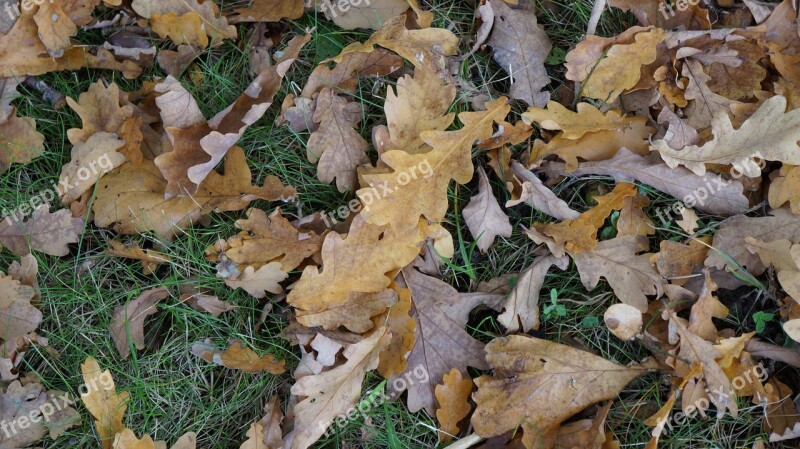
(521, 307)
(46, 232)
(238, 356)
(484, 218)
(538, 384)
(127, 324)
(452, 396)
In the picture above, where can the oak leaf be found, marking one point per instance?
(539, 197)
(337, 147)
(785, 257)
(769, 134)
(706, 308)
(22, 317)
(23, 402)
(453, 396)
(629, 274)
(266, 433)
(259, 282)
(484, 218)
(100, 110)
(97, 156)
(521, 307)
(393, 359)
(355, 312)
(330, 394)
(538, 384)
(727, 197)
(149, 258)
(370, 15)
(103, 402)
(405, 194)
(677, 261)
(46, 232)
(20, 143)
(785, 188)
(441, 344)
(214, 25)
(269, 11)
(574, 125)
(127, 323)
(238, 356)
(520, 45)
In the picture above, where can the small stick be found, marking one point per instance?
(52, 96)
(594, 19)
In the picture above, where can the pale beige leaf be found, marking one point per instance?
(484, 217)
(259, 282)
(521, 307)
(46, 232)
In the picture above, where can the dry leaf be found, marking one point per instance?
(266, 433)
(539, 197)
(103, 402)
(484, 218)
(521, 307)
(538, 384)
(372, 14)
(238, 356)
(452, 396)
(46, 232)
(269, 11)
(150, 259)
(520, 45)
(624, 321)
(259, 282)
(127, 323)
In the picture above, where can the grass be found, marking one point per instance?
(173, 391)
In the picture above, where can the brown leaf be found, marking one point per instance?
(214, 25)
(20, 143)
(100, 110)
(538, 384)
(132, 197)
(127, 323)
(453, 396)
(97, 156)
(521, 307)
(259, 282)
(575, 125)
(520, 45)
(238, 356)
(440, 345)
(266, 433)
(539, 197)
(269, 11)
(46, 232)
(23, 406)
(150, 259)
(725, 199)
(103, 402)
(629, 274)
(372, 14)
(393, 359)
(676, 261)
(22, 318)
(784, 256)
(344, 76)
(786, 189)
(484, 218)
(330, 394)
(418, 183)
(337, 147)
(706, 308)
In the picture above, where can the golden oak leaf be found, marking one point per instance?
(706, 308)
(632, 218)
(453, 398)
(484, 217)
(785, 257)
(99, 109)
(630, 275)
(344, 76)
(215, 25)
(648, 12)
(426, 46)
(356, 263)
(400, 197)
(330, 394)
(46, 232)
(132, 197)
(184, 29)
(575, 125)
(516, 29)
(786, 188)
(598, 145)
(127, 440)
(22, 318)
(372, 14)
(80, 57)
(393, 359)
(538, 384)
(579, 235)
(581, 60)
(676, 261)
(266, 433)
(55, 28)
(522, 304)
(266, 239)
(127, 322)
(620, 69)
(238, 356)
(769, 134)
(150, 259)
(355, 312)
(269, 11)
(97, 156)
(103, 402)
(337, 147)
(420, 104)
(21, 50)
(259, 282)
(441, 343)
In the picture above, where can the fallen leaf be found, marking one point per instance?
(238, 356)
(624, 321)
(521, 307)
(629, 274)
(266, 433)
(520, 45)
(103, 402)
(452, 396)
(259, 282)
(372, 14)
(337, 147)
(46, 232)
(539, 197)
(330, 394)
(268, 11)
(207, 12)
(783, 255)
(769, 134)
(127, 324)
(484, 218)
(150, 259)
(538, 384)
(97, 156)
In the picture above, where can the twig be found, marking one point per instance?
(50, 95)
